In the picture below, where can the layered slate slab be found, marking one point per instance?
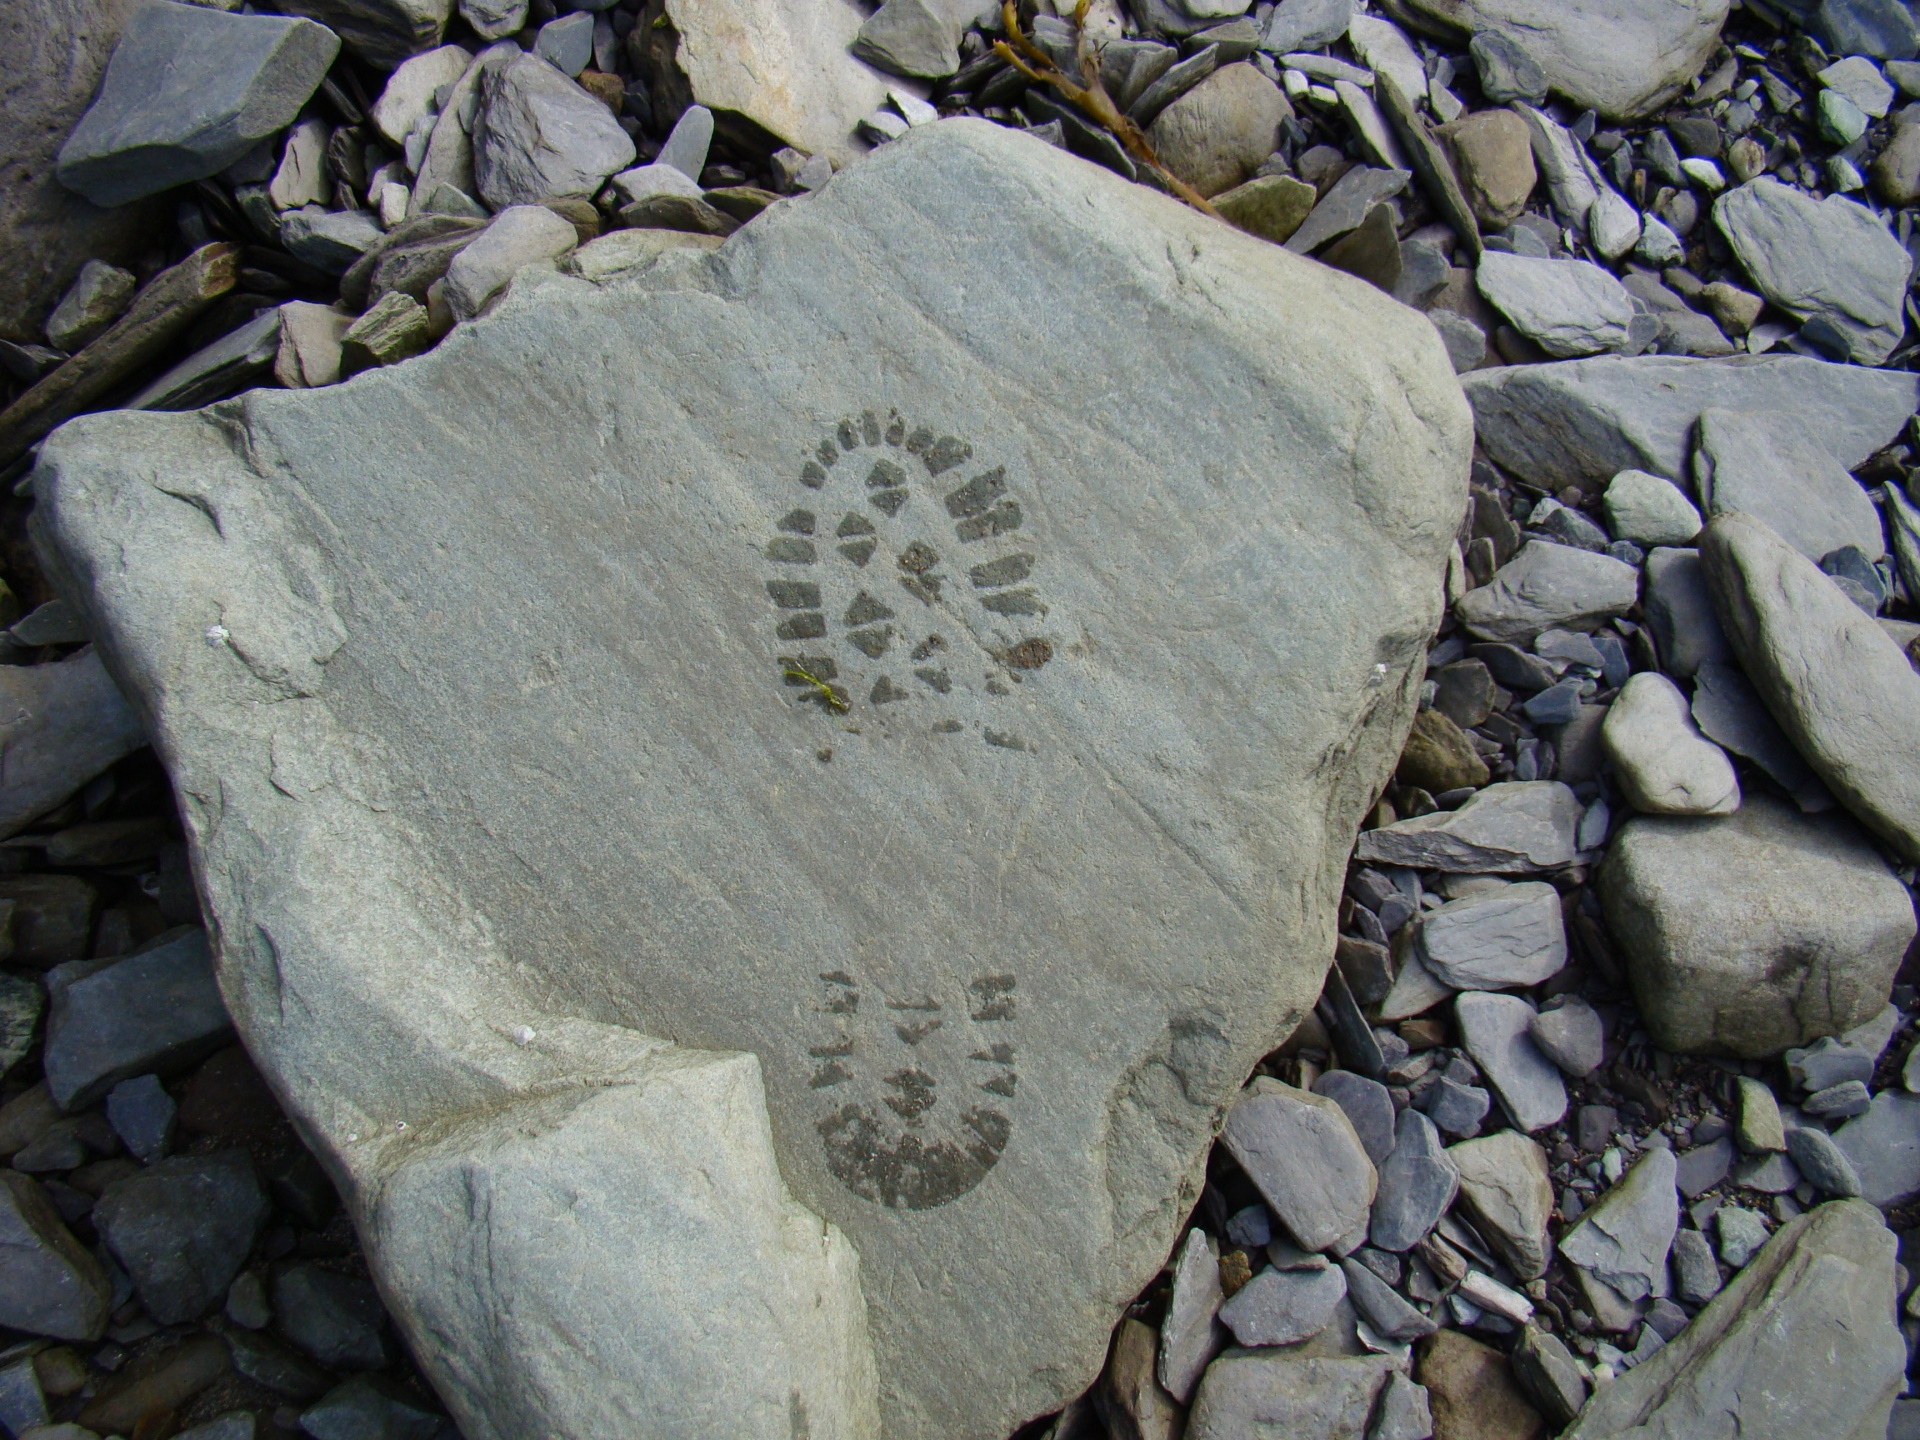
(758, 810)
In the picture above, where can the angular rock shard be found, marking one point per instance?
(188, 92)
(879, 708)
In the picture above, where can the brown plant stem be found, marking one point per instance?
(1091, 96)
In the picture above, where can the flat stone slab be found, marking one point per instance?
(1581, 422)
(777, 651)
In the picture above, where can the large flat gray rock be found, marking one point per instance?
(1567, 307)
(1838, 684)
(1802, 1342)
(919, 685)
(1753, 932)
(1832, 262)
(188, 92)
(1581, 422)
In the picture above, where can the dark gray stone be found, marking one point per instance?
(1343, 207)
(49, 1284)
(1381, 1307)
(1837, 1102)
(142, 1115)
(383, 32)
(1582, 422)
(1829, 1061)
(1506, 71)
(189, 91)
(1417, 1185)
(1284, 1307)
(1730, 713)
(1696, 1273)
(1513, 828)
(1455, 1108)
(71, 723)
(372, 1407)
(182, 1230)
(156, 1011)
(1367, 1105)
(336, 1319)
(1301, 1151)
(280, 1368)
(1679, 611)
(1494, 1029)
(1700, 1169)
(1884, 29)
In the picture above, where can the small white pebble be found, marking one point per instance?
(521, 1034)
(217, 635)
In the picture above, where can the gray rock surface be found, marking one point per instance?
(113, 1019)
(1119, 1079)
(521, 236)
(188, 92)
(1518, 827)
(1801, 1343)
(1622, 58)
(1665, 766)
(912, 37)
(1368, 1106)
(1703, 1167)
(1831, 261)
(539, 136)
(1381, 1307)
(1306, 25)
(1822, 1163)
(1567, 307)
(1284, 1307)
(1883, 1147)
(1506, 1189)
(1546, 587)
(329, 240)
(1738, 1234)
(182, 1229)
(1680, 612)
(49, 1284)
(99, 295)
(1510, 937)
(1696, 1271)
(142, 1114)
(336, 1319)
(1623, 1240)
(1772, 468)
(383, 32)
(786, 65)
(1730, 713)
(70, 722)
(1649, 510)
(1571, 1034)
(1584, 421)
(1839, 686)
(1301, 1152)
(56, 51)
(1417, 1185)
(1494, 1029)
(1747, 934)
(370, 1406)
(1264, 1395)
(1191, 1334)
